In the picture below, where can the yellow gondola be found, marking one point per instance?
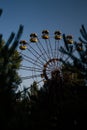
(23, 47)
(69, 39)
(57, 35)
(45, 34)
(33, 37)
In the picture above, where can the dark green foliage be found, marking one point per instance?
(9, 79)
(84, 35)
(80, 61)
(10, 60)
(55, 106)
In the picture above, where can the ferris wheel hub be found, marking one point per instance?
(55, 71)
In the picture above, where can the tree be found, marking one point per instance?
(80, 61)
(79, 89)
(9, 79)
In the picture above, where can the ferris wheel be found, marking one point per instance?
(42, 56)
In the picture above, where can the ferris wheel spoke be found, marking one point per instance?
(41, 51)
(59, 65)
(33, 63)
(67, 58)
(43, 48)
(32, 68)
(49, 70)
(48, 74)
(37, 53)
(29, 59)
(40, 81)
(61, 54)
(29, 69)
(57, 48)
(50, 48)
(30, 77)
(47, 48)
(35, 56)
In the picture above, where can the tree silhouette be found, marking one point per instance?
(77, 104)
(9, 79)
(80, 61)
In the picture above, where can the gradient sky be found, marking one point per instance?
(36, 15)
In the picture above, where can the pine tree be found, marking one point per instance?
(9, 79)
(79, 90)
(79, 65)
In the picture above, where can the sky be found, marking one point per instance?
(37, 15)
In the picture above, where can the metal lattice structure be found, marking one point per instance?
(42, 56)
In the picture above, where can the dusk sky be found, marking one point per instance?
(37, 15)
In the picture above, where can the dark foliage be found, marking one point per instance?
(9, 79)
(80, 61)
